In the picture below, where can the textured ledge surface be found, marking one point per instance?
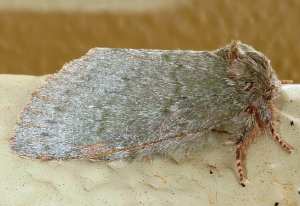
(90, 6)
(209, 177)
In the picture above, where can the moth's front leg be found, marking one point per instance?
(238, 158)
(243, 140)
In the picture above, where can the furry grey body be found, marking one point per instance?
(134, 104)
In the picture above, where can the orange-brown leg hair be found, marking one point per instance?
(286, 81)
(239, 165)
(277, 138)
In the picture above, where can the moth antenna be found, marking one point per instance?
(286, 81)
(238, 158)
(278, 139)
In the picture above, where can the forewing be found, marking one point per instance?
(113, 101)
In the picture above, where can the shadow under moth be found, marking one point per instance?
(139, 104)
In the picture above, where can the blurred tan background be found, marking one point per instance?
(38, 36)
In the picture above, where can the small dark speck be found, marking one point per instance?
(276, 204)
(211, 172)
(299, 192)
(292, 123)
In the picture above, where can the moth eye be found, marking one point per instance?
(248, 86)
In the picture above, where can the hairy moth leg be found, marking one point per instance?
(245, 143)
(238, 158)
(278, 139)
(286, 81)
(246, 138)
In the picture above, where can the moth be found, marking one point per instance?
(139, 104)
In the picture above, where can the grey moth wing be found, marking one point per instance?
(123, 103)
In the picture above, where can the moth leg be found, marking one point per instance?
(238, 158)
(278, 139)
(245, 138)
(286, 81)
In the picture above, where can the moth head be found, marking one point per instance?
(250, 70)
(260, 68)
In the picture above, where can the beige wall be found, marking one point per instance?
(38, 37)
